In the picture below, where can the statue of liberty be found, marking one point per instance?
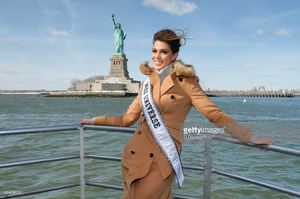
(119, 36)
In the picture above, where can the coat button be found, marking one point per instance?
(151, 155)
(142, 121)
(139, 132)
(173, 97)
(132, 152)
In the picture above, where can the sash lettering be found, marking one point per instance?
(160, 131)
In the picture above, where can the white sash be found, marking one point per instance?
(160, 131)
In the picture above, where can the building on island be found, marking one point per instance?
(118, 79)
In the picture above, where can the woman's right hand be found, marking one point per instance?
(88, 121)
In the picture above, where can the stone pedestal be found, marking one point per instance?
(118, 66)
(117, 81)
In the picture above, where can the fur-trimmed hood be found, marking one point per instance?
(179, 69)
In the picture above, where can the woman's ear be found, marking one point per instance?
(174, 56)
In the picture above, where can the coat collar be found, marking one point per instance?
(179, 69)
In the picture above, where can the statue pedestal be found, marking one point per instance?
(118, 66)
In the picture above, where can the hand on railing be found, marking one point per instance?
(261, 140)
(88, 121)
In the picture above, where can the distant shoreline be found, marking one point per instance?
(297, 95)
(28, 93)
(213, 93)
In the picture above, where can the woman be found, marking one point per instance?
(149, 163)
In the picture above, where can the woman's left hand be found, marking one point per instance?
(88, 121)
(263, 140)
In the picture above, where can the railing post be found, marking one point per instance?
(82, 169)
(207, 168)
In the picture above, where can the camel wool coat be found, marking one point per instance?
(146, 171)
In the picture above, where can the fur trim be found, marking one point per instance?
(184, 70)
(179, 68)
(145, 68)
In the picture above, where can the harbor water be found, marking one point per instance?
(277, 118)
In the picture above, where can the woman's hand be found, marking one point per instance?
(88, 121)
(262, 140)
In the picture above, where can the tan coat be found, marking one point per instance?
(174, 98)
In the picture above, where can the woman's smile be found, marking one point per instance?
(162, 55)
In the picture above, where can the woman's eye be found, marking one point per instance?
(154, 51)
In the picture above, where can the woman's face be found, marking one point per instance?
(162, 55)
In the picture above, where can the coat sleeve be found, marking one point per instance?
(127, 119)
(215, 115)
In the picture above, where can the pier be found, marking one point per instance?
(88, 94)
(224, 93)
(124, 93)
(214, 93)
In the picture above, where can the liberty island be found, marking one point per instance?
(118, 83)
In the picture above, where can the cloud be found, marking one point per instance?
(283, 32)
(9, 72)
(73, 13)
(58, 33)
(51, 14)
(270, 20)
(260, 32)
(174, 7)
(280, 32)
(48, 15)
(14, 71)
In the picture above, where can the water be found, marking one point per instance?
(274, 117)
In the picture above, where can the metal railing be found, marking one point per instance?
(206, 168)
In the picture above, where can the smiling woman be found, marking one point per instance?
(162, 52)
(151, 158)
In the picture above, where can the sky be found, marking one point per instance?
(233, 44)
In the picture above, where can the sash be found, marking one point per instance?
(160, 131)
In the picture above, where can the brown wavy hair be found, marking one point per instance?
(175, 38)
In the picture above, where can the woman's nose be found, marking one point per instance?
(156, 55)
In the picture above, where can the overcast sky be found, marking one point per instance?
(233, 44)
